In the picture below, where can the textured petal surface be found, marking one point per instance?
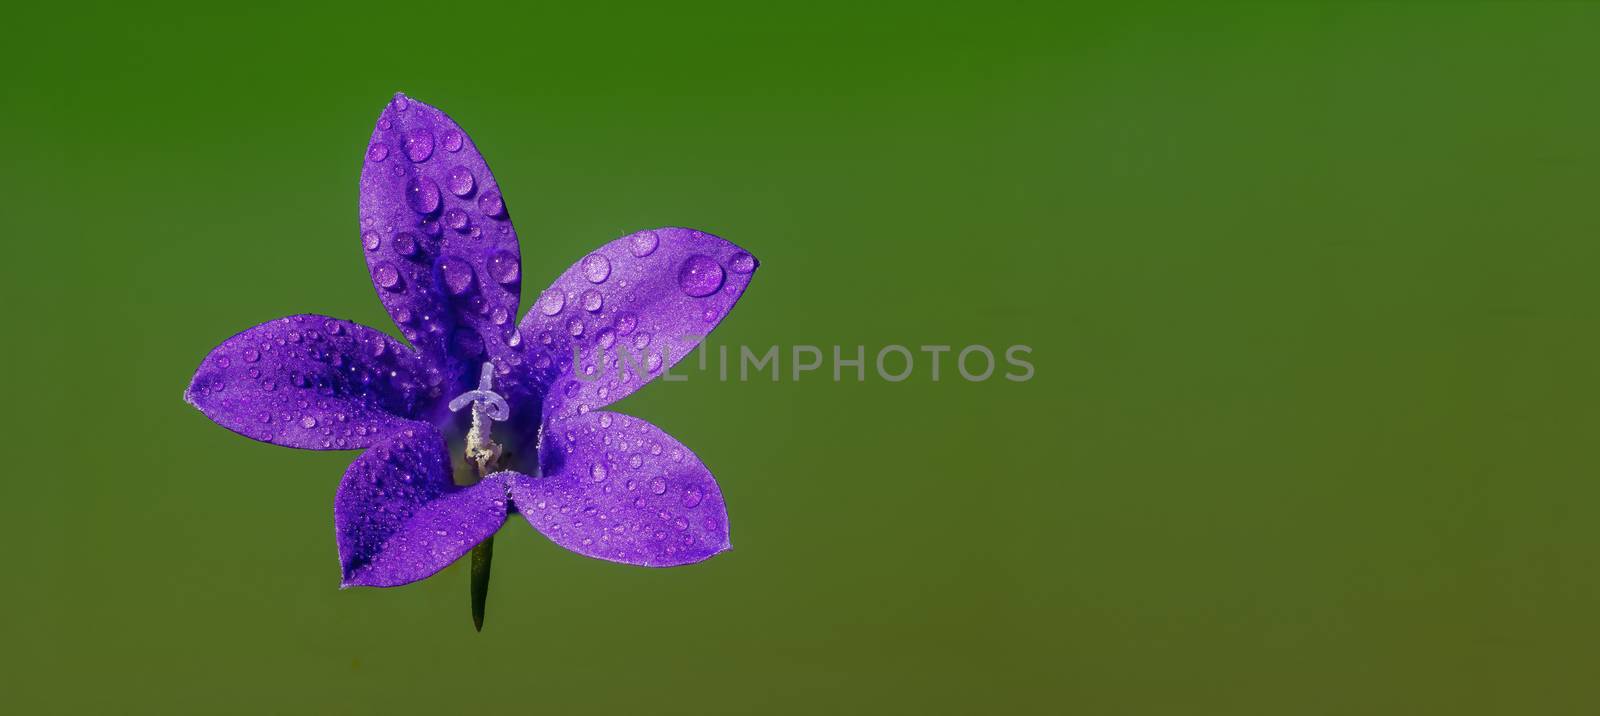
(398, 516)
(618, 488)
(438, 241)
(633, 308)
(312, 382)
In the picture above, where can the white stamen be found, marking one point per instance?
(487, 408)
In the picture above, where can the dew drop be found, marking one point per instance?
(591, 300)
(452, 141)
(742, 263)
(378, 152)
(404, 244)
(457, 274)
(597, 472)
(423, 195)
(419, 145)
(370, 240)
(626, 322)
(491, 204)
(574, 328)
(460, 181)
(503, 266)
(691, 498)
(308, 422)
(551, 303)
(700, 276)
(455, 219)
(387, 276)
(644, 243)
(596, 268)
(606, 337)
(430, 227)
(658, 486)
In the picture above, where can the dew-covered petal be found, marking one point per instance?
(399, 518)
(438, 241)
(313, 382)
(634, 308)
(620, 489)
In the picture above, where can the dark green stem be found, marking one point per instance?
(481, 556)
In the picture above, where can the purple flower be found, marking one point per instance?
(488, 416)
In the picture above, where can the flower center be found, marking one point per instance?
(487, 408)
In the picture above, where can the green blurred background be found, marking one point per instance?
(1310, 290)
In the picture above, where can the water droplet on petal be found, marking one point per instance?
(370, 240)
(400, 102)
(455, 219)
(551, 303)
(596, 268)
(597, 472)
(460, 181)
(504, 268)
(626, 322)
(423, 195)
(575, 328)
(387, 276)
(419, 145)
(591, 300)
(607, 337)
(644, 243)
(430, 227)
(308, 422)
(491, 204)
(457, 274)
(404, 244)
(452, 141)
(691, 497)
(658, 486)
(742, 263)
(700, 275)
(378, 152)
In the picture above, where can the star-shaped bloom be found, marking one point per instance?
(434, 482)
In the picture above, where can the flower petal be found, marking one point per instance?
(398, 516)
(437, 238)
(634, 308)
(312, 382)
(620, 489)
